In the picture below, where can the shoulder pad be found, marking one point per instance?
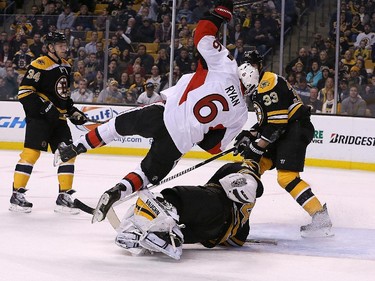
(42, 63)
(268, 82)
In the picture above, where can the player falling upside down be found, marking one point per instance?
(206, 108)
(45, 95)
(280, 138)
(216, 213)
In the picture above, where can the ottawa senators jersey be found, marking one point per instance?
(49, 80)
(238, 227)
(276, 104)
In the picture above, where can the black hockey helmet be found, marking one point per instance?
(253, 57)
(54, 37)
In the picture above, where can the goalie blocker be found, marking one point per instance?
(216, 213)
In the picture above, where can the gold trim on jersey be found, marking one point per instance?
(46, 63)
(25, 91)
(268, 82)
(293, 109)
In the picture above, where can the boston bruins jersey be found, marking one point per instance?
(276, 104)
(46, 80)
(238, 228)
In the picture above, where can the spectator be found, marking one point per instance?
(84, 20)
(124, 42)
(146, 31)
(236, 33)
(302, 89)
(82, 55)
(313, 102)
(82, 94)
(75, 48)
(343, 90)
(162, 61)
(35, 13)
(66, 19)
(16, 42)
(327, 107)
(362, 51)
(110, 94)
(91, 66)
(258, 36)
(147, 61)
(199, 10)
(69, 37)
(163, 31)
(324, 60)
(100, 55)
(185, 12)
(130, 99)
(330, 48)
(318, 42)
(5, 54)
(90, 47)
(21, 25)
(101, 20)
(183, 61)
(113, 44)
(155, 78)
(125, 60)
(238, 51)
(369, 96)
(329, 85)
(164, 10)
(355, 78)
(131, 29)
(113, 71)
(270, 25)
(3, 39)
(137, 88)
(367, 35)
(315, 75)
(97, 85)
(124, 84)
(36, 46)
(149, 96)
(177, 48)
(302, 57)
(348, 61)
(40, 27)
(325, 74)
(50, 17)
(355, 27)
(353, 105)
(10, 81)
(22, 59)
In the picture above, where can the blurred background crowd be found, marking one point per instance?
(120, 49)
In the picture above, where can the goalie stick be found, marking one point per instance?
(113, 218)
(262, 241)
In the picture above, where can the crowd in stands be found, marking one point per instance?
(312, 71)
(139, 47)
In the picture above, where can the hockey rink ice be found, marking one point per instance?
(46, 246)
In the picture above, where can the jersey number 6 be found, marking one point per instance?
(208, 101)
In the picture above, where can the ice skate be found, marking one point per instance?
(106, 201)
(65, 203)
(65, 152)
(319, 227)
(18, 202)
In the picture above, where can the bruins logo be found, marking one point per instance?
(258, 112)
(62, 88)
(264, 84)
(41, 62)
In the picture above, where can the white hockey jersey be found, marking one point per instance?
(207, 99)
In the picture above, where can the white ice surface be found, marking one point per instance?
(43, 245)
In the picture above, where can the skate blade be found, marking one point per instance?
(57, 159)
(19, 209)
(98, 215)
(66, 210)
(318, 233)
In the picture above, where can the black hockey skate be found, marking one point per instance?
(65, 203)
(106, 201)
(66, 152)
(319, 227)
(18, 202)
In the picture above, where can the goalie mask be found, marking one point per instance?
(249, 77)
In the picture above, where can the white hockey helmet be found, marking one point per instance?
(241, 188)
(249, 77)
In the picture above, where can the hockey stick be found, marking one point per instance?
(262, 241)
(87, 209)
(95, 121)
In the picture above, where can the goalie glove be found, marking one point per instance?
(76, 116)
(224, 10)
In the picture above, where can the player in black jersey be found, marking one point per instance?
(280, 138)
(216, 213)
(45, 96)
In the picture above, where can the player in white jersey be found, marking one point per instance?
(206, 108)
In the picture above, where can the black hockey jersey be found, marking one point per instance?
(276, 104)
(46, 80)
(238, 227)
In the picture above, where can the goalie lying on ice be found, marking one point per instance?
(216, 213)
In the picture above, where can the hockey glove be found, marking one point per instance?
(76, 116)
(253, 151)
(50, 112)
(224, 10)
(243, 140)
